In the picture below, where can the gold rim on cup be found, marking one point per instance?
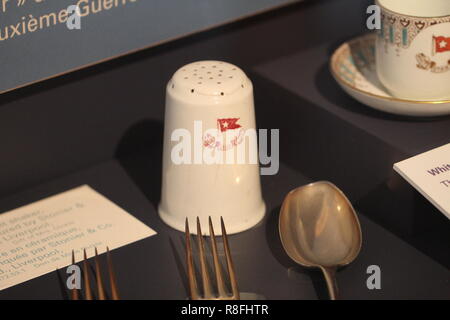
(339, 78)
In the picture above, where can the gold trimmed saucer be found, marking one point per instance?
(353, 67)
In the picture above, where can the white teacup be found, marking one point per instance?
(413, 48)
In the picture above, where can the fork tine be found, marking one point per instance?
(234, 286)
(219, 278)
(87, 281)
(207, 289)
(74, 294)
(112, 277)
(193, 289)
(98, 275)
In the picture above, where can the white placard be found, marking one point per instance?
(39, 238)
(429, 173)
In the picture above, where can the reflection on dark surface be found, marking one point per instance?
(140, 153)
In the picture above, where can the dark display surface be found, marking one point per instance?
(154, 268)
(67, 130)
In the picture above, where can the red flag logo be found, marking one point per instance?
(228, 124)
(441, 44)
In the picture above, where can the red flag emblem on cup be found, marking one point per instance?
(228, 124)
(441, 44)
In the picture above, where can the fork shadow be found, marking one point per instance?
(62, 285)
(177, 255)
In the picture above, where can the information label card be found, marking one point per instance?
(39, 238)
(429, 173)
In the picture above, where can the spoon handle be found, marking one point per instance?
(330, 278)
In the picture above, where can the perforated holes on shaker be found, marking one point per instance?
(210, 78)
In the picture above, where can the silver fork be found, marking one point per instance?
(208, 294)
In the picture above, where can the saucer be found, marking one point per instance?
(354, 68)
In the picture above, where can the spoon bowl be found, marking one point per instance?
(319, 228)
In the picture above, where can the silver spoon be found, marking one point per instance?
(319, 228)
